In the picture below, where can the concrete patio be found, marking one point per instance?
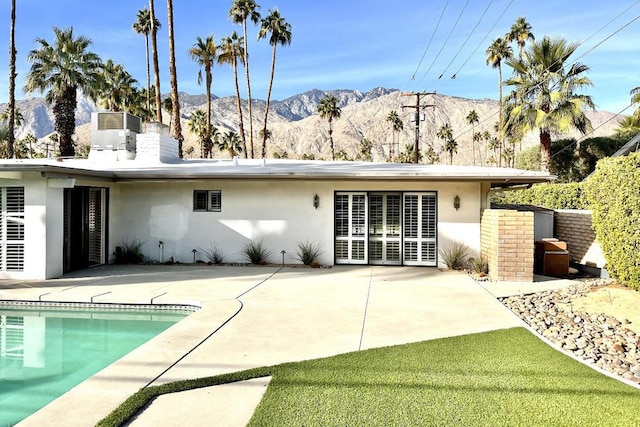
(256, 316)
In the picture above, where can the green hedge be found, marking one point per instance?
(552, 196)
(614, 195)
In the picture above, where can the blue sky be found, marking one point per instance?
(351, 44)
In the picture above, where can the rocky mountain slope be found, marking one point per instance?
(297, 129)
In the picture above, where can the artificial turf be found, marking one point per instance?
(505, 377)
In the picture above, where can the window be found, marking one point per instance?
(207, 200)
(12, 228)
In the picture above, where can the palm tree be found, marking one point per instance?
(167, 106)
(472, 119)
(364, 152)
(12, 83)
(628, 127)
(329, 109)
(279, 32)
(231, 143)
(155, 25)
(451, 147)
(477, 137)
(493, 144)
(635, 98)
(496, 53)
(240, 12)
(487, 137)
(520, 32)
(61, 69)
(201, 126)
(176, 128)
(265, 134)
(544, 89)
(232, 51)
(205, 52)
(445, 132)
(118, 87)
(143, 26)
(396, 126)
(18, 118)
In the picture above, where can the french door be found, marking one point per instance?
(85, 215)
(351, 228)
(420, 229)
(386, 228)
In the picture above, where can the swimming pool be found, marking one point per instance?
(46, 351)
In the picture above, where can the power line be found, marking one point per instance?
(445, 42)
(483, 39)
(413, 76)
(581, 56)
(466, 40)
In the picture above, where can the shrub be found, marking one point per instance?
(571, 161)
(479, 265)
(213, 254)
(129, 252)
(552, 196)
(455, 255)
(308, 252)
(614, 194)
(256, 253)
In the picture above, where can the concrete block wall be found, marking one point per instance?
(574, 227)
(507, 242)
(154, 147)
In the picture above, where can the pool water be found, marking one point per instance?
(46, 352)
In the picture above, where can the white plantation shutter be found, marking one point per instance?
(384, 228)
(420, 229)
(12, 342)
(12, 228)
(96, 226)
(351, 228)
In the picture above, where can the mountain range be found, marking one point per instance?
(296, 128)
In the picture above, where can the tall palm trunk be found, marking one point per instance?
(12, 83)
(500, 116)
(266, 112)
(545, 150)
(65, 120)
(246, 71)
(209, 78)
(241, 124)
(473, 142)
(156, 66)
(333, 152)
(146, 42)
(175, 119)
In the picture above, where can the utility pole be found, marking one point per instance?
(418, 107)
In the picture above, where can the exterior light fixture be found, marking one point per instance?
(456, 202)
(316, 201)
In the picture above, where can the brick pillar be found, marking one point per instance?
(507, 242)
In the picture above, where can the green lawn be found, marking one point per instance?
(506, 377)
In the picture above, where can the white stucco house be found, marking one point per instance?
(59, 215)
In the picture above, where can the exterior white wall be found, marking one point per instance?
(43, 235)
(54, 232)
(278, 212)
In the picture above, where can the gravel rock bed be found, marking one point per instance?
(597, 338)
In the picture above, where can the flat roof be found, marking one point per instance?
(194, 169)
